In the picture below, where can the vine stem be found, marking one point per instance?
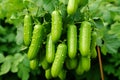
(100, 63)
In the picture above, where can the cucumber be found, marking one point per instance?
(59, 59)
(79, 70)
(56, 29)
(50, 49)
(85, 38)
(93, 45)
(72, 41)
(45, 65)
(36, 41)
(72, 6)
(27, 29)
(71, 63)
(34, 64)
(48, 74)
(86, 63)
(62, 74)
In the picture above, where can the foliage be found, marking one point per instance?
(104, 14)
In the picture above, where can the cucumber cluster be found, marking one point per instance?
(58, 56)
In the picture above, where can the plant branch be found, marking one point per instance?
(100, 63)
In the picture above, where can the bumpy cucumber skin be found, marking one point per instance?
(85, 38)
(56, 29)
(71, 63)
(86, 63)
(27, 29)
(36, 41)
(45, 65)
(59, 59)
(93, 45)
(72, 6)
(79, 70)
(72, 41)
(62, 74)
(34, 64)
(50, 49)
(48, 74)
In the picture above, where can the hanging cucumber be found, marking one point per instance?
(50, 49)
(34, 64)
(27, 29)
(93, 45)
(85, 38)
(79, 70)
(86, 63)
(62, 74)
(56, 29)
(71, 63)
(48, 74)
(72, 41)
(59, 59)
(36, 41)
(45, 65)
(72, 6)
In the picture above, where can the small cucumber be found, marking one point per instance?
(48, 74)
(72, 6)
(59, 59)
(86, 63)
(34, 64)
(62, 74)
(45, 65)
(27, 29)
(71, 63)
(50, 49)
(79, 70)
(36, 41)
(72, 41)
(56, 29)
(93, 45)
(85, 38)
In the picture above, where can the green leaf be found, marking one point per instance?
(117, 63)
(63, 10)
(115, 29)
(93, 6)
(5, 67)
(117, 18)
(104, 49)
(17, 59)
(107, 16)
(19, 36)
(109, 69)
(112, 43)
(2, 30)
(2, 58)
(115, 59)
(50, 5)
(78, 16)
(24, 70)
(26, 61)
(9, 7)
(100, 29)
(10, 37)
(114, 8)
(64, 1)
(3, 48)
(98, 22)
(117, 73)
